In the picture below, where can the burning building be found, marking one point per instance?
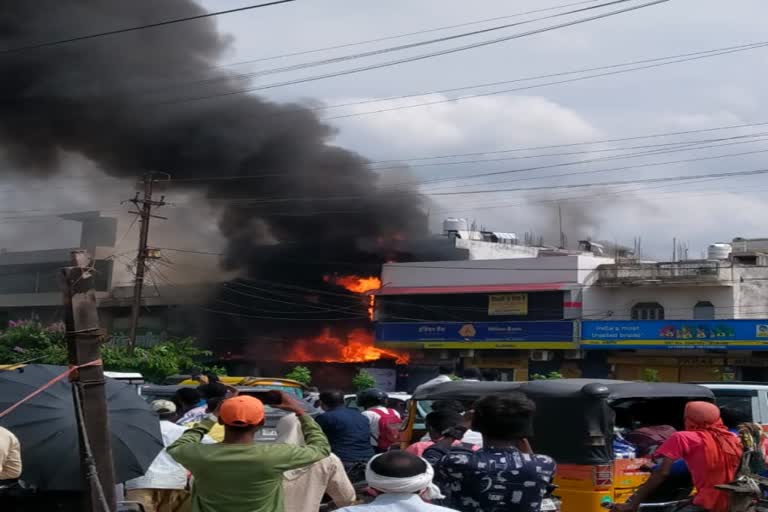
(295, 207)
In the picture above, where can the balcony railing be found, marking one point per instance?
(650, 273)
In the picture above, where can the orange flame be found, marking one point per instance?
(371, 306)
(355, 347)
(356, 284)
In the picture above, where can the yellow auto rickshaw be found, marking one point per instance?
(289, 386)
(575, 423)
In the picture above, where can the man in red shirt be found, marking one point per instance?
(710, 451)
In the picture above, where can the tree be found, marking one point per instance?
(29, 341)
(650, 375)
(363, 381)
(300, 374)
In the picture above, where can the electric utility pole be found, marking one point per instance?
(84, 339)
(144, 211)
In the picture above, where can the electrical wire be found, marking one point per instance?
(413, 58)
(547, 84)
(686, 144)
(47, 44)
(399, 36)
(673, 59)
(576, 144)
(382, 51)
(753, 172)
(664, 148)
(598, 171)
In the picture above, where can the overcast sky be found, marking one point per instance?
(720, 91)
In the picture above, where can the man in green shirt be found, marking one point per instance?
(238, 475)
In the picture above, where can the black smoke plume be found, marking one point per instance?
(122, 102)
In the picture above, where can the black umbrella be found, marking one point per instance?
(48, 434)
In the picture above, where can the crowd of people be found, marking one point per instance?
(473, 459)
(466, 462)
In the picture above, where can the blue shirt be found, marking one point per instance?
(348, 432)
(494, 480)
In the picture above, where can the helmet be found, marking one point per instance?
(371, 398)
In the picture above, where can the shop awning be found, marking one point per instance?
(479, 288)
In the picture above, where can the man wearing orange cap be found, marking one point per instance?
(238, 475)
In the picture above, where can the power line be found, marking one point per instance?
(416, 57)
(546, 84)
(399, 36)
(598, 184)
(689, 145)
(592, 196)
(138, 27)
(270, 200)
(190, 251)
(613, 169)
(545, 187)
(259, 317)
(683, 58)
(583, 143)
(391, 49)
(686, 145)
(512, 150)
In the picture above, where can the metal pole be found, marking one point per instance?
(145, 214)
(84, 338)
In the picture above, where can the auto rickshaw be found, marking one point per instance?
(293, 387)
(575, 423)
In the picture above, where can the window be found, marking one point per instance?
(703, 310)
(647, 311)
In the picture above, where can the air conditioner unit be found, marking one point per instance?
(541, 355)
(573, 354)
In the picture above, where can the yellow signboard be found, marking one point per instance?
(508, 304)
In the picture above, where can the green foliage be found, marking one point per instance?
(363, 381)
(650, 375)
(26, 340)
(159, 361)
(549, 376)
(300, 374)
(29, 341)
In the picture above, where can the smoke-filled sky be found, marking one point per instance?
(132, 126)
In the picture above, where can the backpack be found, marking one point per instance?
(389, 428)
(647, 439)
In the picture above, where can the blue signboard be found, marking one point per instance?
(672, 334)
(477, 335)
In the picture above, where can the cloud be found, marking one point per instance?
(484, 123)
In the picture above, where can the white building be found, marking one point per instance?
(732, 284)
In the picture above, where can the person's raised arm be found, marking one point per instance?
(317, 446)
(644, 491)
(185, 449)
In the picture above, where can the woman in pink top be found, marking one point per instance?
(439, 425)
(710, 451)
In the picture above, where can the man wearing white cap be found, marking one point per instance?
(402, 482)
(163, 486)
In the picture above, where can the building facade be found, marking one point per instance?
(630, 319)
(29, 287)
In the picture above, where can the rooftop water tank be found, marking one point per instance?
(719, 251)
(453, 225)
